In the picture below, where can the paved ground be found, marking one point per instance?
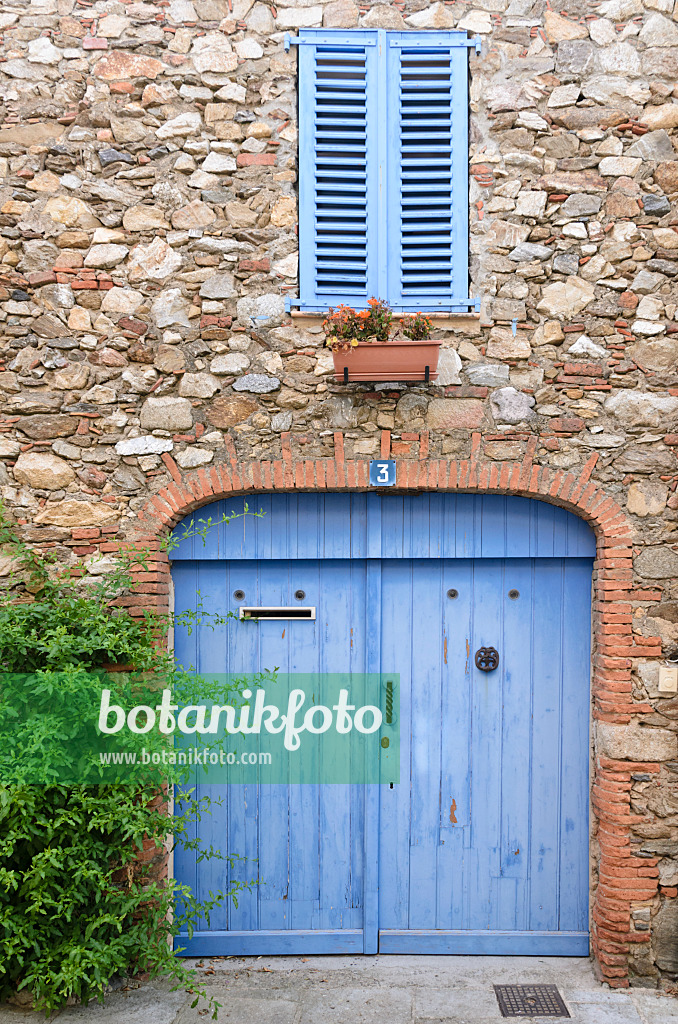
(370, 990)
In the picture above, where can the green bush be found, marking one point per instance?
(78, 904)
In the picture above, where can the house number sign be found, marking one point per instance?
(382, 473)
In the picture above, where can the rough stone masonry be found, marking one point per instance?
(148, 211)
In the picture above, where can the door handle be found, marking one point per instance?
(487, 659)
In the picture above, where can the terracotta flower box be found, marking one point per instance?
(392, 360)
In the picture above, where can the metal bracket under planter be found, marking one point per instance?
(394, 377)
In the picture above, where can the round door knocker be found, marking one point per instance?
(487, 659)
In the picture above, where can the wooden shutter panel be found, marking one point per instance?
(428, 170)
(383, 169)
(337, 167)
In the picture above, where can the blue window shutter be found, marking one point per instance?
(427, 170)
(383, 169)
(338, 167)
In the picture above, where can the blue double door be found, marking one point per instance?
(483, 845)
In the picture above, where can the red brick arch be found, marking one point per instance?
(621, 880)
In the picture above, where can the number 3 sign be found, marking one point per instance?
(382, 473)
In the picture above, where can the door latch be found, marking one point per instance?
(487, 659)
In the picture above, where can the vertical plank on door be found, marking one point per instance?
(574, 854)
(304, 797)
(186, 652)
(464, 526)
(394, 829)
(212, 584)
(341, 805)
(516, 739)
(361, 622)
(486, 733)
(392, 517)
(274, 894)
(241, 797)
(547, 660)
(455, 753)
(422, 619)
(373, 663)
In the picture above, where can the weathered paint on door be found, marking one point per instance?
(304, 844)
(486, 850)
(483, 847)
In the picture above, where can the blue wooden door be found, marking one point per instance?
(302, 845)
(483, 846)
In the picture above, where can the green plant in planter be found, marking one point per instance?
(417, 326)
(81, 897)
(345, 327)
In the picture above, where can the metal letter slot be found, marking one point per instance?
(276, 613)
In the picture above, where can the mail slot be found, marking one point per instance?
(276, 613)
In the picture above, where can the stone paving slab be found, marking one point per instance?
(239, 1010)
(655, 1008)
(149, 1004)
(367, 990)
(333, 1005)
(444, 1003)
(14, 1015)
(603, 1013)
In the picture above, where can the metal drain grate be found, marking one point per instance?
(530, 1001)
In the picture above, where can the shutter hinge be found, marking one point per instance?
(291, 301)
(428, 46)
(325, 40)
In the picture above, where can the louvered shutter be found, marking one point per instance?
(428, 170)
(383, 169)
(338, 168)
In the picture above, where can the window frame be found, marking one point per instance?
(384, 167)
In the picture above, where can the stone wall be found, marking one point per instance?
(148, 237)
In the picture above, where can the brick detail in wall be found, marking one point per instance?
(623, 880)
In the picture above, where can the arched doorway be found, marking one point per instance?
(483, 845)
